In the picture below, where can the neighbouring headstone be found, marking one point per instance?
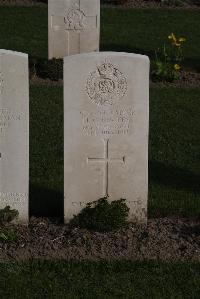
(14, 132)
(74, 27)
(106, 112)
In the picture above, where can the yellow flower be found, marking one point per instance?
(172, 37)
(177, 67)
(182, 39)
(176, 41)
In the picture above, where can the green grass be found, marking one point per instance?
(174, 166)
(174, 112)
(144, 31)
(24, 29)
(130, 30)
(75, 280)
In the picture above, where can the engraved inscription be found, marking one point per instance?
(106, 160)
(75, 19)
(112, 122)
(1, 83)
(6, 118)
(106, 85)
(13, 199)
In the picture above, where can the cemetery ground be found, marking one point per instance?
(173, 231)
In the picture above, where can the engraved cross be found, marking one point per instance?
(106, 160)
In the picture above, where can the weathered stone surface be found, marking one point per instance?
(14, 132)
(106, 111)
(74, 27)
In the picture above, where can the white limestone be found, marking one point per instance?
(74, 27)
(106, 114)
(14, 132)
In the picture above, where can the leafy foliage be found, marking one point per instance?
(8, 235)
(164, 72)
(167, 63)
(102, 215)
(7, 215)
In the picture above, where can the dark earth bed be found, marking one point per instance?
(166, 239)
(187, 79)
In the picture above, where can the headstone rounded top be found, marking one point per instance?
(14, 132)
(107, 53)
(9, 52)
(106, 115)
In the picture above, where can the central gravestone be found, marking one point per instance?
(73, 27)
(14, 132)
(106, 106)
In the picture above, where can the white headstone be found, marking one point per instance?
(73, 27)
(14, 132)
(106, 113)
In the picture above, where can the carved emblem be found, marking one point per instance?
(75, 19)
(106, 85)
(1, 83)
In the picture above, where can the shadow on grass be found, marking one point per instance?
(49, 203)
(193, 63)
(174, 177)
(45, 202)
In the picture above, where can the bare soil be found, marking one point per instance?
(21, 3)
(40, 81)
(187, 79)
(158, 4)
(164, 239)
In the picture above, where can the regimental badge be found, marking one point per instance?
(75, 19)
(107, 85)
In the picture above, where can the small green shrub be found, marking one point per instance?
(7, 215)
(164, 72)
(102, 215)
(168, 60)
(8, 235)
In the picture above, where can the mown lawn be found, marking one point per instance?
(174, 152)
(174, 159)
(103, 280)
(130, 30)
(174, 165)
